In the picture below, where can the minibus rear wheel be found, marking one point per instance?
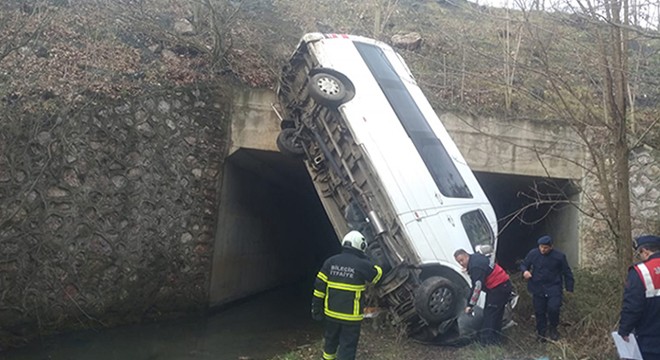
(327, 89)
(289, 144)
(436, 299)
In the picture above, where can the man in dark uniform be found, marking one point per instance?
(489, 277)
(548, 274)
(640, 311)
(338, 296)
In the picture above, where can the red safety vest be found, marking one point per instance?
(649, 272)
(496, 277)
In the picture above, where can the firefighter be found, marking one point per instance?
(548, 273)
(640, 311)
(489, 277)
(338, 296)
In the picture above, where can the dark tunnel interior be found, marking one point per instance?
(272, 229)
(528, 208)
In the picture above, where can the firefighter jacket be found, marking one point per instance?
(641, 304)
(484, 275)
(340, 284)
(550, 273)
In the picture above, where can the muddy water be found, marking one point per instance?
(258, 328)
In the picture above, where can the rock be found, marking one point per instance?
(169, 55)
(164, 107)
(134, 173)
(190, 140)
(71, 178)
(146, 130)
(42, 52)
(119, 181)
(55, 192)
(184, 27)
(186, 238)
(411, 41)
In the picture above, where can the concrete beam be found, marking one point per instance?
(254, 124)
(517, 147)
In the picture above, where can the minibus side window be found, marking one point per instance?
(477, 228)
(436, 158)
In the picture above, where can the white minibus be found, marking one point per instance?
(383, 163)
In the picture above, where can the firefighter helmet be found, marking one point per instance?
(355, 240)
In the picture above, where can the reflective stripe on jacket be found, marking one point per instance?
(640, 310)
(649, 273)
(341, 282)
(497, 277)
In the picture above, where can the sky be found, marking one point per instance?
(647, 9)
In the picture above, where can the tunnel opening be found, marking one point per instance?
(271, 230)
(529, 207)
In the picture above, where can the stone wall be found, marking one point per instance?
(107, 212)
(645, 191)
(597, 247)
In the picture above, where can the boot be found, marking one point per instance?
(553, 334)
(540, 337)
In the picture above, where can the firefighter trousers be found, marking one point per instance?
(341, 340)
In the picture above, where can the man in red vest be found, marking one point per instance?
(640, 311)
(489, 277)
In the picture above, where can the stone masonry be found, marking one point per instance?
(107, 212)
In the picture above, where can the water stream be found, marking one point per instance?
(259, 328)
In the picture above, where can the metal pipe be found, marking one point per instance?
(375, 221)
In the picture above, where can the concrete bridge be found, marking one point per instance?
(272, 228)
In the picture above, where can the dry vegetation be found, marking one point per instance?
(474, 59)
(588, 316)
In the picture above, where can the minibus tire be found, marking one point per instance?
(327, 89)
(287, 144)
(436, 299)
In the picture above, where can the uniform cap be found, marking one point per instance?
(647, 240)
(544, 240)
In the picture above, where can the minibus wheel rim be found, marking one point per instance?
(327, 89)
(441, 300)
(329, 86)
(436, 299)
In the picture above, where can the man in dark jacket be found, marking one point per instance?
(338, 296)
(548, 274)
(640, 310)
(489, 277)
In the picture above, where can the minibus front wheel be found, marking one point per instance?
(327, 89)
(436, 299)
